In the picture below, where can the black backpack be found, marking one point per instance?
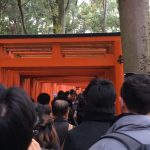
(129, 142)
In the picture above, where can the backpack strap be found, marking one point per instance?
(129, 142)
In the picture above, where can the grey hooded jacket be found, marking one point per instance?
(136, 126)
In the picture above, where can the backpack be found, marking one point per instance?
(129, 142)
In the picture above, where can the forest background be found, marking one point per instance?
(58, 16)
(132, 17)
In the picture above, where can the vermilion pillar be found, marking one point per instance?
(119, 73)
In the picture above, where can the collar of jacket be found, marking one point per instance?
(60, 119)
(101, 117)
(122, 115)
(131, 122)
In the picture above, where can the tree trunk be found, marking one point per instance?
(22, 16)
(59, 17)
(104, 15)
(135, 33)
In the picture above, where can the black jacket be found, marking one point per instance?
(88, 132)
(61, 125)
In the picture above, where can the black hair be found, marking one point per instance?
(61, 95)
(43, 98)
(66, 93)
(100, 96)
(17, 118)
(72, 92)
(135, 92)
(80, 108)
(81, 101)
(60, 108)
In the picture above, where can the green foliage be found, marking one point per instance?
(39, 16)
(113, 17)
(88, 17)
(9, 17)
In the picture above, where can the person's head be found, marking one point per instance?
(60, 108)
(45, 133)
(61, 95)
(66, 95)
(100, 96)
(72, 95)
(43, 98)
(43, 112)
(135, 93)
(17, 118)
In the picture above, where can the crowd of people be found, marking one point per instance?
(77, 121)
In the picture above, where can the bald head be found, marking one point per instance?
(60, 108)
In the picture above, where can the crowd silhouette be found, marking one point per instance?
(74, 121)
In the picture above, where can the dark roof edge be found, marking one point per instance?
(59, 35)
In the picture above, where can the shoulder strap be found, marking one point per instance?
(129, 142)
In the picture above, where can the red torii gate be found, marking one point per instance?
(49, 63)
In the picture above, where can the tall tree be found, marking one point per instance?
(22, 16)
(134, 21)
(59, 9)
(105, 3)
(57, 16)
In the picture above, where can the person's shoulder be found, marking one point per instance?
(108, 144)
(70, 127)
(75, 132)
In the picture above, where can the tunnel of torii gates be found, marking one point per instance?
(49, 63)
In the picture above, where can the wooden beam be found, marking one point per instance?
(76, 84)
(56, 51)
(103, 60)
(61, 40)
(62, 71)
(65, 79)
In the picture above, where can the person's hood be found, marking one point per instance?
(131, 123)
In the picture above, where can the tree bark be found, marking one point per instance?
(22, 16)
(61, 8)
(104, 15)
(58, 17)
(135, 33)
(67, 6)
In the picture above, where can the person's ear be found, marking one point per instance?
(66, 115)
(124, 108)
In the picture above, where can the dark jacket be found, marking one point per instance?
(61, 125)
(136, 126)
(88, 132)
